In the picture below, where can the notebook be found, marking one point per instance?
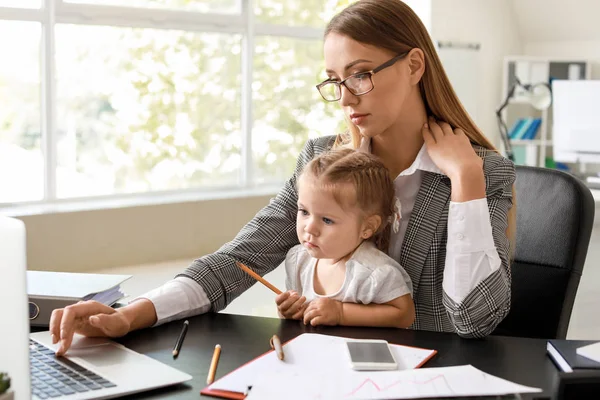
(307, 352)
(564, 354)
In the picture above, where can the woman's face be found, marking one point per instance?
(378, 110)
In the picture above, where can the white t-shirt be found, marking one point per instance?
(371, 276)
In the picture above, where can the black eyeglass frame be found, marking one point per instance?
(370, 73)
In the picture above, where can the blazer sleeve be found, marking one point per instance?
(262, 244)
(480, 312)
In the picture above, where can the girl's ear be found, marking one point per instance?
(416, 63)
(370, 226)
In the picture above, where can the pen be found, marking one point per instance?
(258, 277)
(213, 365)
(276, 345)
(179, 342)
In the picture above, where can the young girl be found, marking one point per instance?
(346, 208)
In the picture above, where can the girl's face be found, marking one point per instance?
(377, 111)
(326, 229)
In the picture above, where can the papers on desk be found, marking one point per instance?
(591, 351)
(71, 286)
(51, 290)
(318, 367)
(460, 381)
(310, 352)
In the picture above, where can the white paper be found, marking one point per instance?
(458, 381)
(591, 351)
(315, 354)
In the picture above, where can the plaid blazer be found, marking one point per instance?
(263, 244)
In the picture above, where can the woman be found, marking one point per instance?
(456, 191)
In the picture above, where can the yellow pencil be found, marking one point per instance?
(276, 346)
(213, 365)
(258, 277)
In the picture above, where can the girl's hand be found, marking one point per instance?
(451, 150)
(290, 305)
(323, 311)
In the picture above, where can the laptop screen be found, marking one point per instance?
(14, 323)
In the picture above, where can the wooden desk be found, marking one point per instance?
(242, 338)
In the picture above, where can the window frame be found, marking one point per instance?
(54, 12)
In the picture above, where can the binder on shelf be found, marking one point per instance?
(515, 128)
(520, 133)
(525, 128)
(532, 129)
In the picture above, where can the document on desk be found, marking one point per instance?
(460, 381)
(308, 353)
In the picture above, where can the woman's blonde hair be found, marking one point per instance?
(369, 181)
(394, 26)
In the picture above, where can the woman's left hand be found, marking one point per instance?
(450, 149)
(323, 311)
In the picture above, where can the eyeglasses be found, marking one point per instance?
(358, 84)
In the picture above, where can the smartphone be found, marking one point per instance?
(370, 355)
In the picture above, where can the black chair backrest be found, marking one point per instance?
(555, 216)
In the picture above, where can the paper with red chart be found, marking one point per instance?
(460, 381)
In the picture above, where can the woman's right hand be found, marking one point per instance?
(290, 305)
(93, 319)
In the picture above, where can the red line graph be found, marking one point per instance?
(399, 381)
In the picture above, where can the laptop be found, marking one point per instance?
(93, 368)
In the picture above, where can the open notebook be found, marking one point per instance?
(309, 352)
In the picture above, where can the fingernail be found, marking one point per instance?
(53, 336)
(426, 125)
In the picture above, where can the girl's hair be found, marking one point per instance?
(372, 189)
(394, 26)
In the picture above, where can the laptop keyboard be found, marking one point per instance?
(53, 376)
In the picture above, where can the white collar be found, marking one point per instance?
(422, 162)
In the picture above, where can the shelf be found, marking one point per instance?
(526, 142)
(520, 100)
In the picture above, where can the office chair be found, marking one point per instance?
(555, 215)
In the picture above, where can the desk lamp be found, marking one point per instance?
(538, 95)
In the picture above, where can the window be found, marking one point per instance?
(215, 6)
(118, 98)
(314, 13)
(21, 162)
(142, 109)
(21, 3)
(287, 108)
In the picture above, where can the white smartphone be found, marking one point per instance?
(370, 355)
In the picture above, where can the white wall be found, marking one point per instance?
(586, 50)
(493, 25)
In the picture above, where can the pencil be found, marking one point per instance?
(213, 365)
(258, 277)
(179, 341)
(276, 345)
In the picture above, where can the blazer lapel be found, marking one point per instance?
(430, 203)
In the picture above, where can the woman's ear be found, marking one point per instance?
(370, 226)
(416, 63)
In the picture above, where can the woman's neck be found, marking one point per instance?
(399, 145)
(398, 151)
